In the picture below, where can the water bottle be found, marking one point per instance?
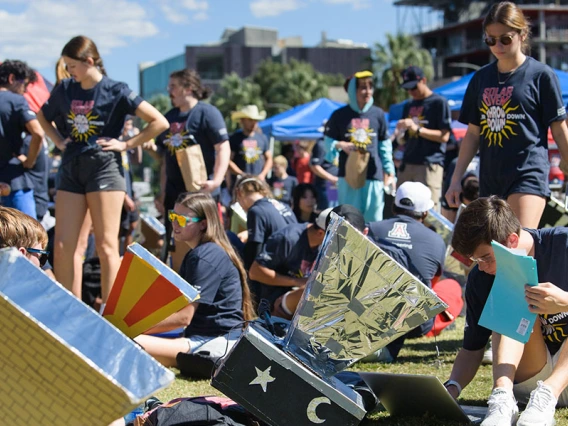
(134, 413)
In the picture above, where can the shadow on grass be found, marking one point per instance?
(430, 345)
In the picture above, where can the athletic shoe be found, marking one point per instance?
(540, 409)
(502, 409)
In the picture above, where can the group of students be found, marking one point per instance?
(84, 117)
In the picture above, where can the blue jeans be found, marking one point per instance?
(22, 200)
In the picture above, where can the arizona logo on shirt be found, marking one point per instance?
(250, 151)
(498, 117)
(83, 123)
(399, 231)
(178, 137)
(360, 133)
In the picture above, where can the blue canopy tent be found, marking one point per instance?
(455, 91)
(301, 122)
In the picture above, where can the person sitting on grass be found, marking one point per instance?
(214, 322)
(535, 372)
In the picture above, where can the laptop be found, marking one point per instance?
(419, 395)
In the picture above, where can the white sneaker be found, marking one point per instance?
(540, 409)
(502, 409)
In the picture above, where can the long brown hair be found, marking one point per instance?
(203, 205)
(61, 72)
(189, 79)
(510, 15)
(248, 184)
(80, 48)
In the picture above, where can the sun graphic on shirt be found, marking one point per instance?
(360, 136)
(175, 141)
(494, 124)
(83, 126)
(419, 120)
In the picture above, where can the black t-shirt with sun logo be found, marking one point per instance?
(365, 130)
(249, 151)
(513, 112)
(203, 124)
(432, 112)
(86, 115)
(551, 255)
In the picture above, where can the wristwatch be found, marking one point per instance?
(453, 383)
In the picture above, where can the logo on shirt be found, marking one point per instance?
(416, 113)
(305, 269)
(278, 190)
(553, 327)
(399, 231)
(251, 152)
(178, 137)
(498, 117)
(360, 132)
(83, 122)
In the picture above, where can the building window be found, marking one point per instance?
(210, 67)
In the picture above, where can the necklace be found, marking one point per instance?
(509, 75)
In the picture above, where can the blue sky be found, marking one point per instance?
(130, 32)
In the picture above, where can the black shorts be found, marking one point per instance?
(534, 184)
(92, 171)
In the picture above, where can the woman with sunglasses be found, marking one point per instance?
(508, 107)
(89, 110)
(213, 267)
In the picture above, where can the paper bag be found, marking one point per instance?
(192, 165)
(356, 168)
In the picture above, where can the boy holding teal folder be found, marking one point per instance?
(535, 371)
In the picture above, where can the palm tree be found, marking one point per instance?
(390, 59)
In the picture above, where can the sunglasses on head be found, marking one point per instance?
(182, 220)
(42, 255)
(505, 40)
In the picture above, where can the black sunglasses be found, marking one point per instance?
(42, 255)
(505, 40)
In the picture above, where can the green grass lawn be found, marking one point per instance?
(419, 356)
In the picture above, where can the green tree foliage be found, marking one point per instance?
(161, 103)
(234, 94)
(389, 59)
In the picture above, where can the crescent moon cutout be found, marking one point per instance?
(313, 405)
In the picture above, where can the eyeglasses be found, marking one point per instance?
(42, 255)
(182, 220)
(485, 259)
(505, 40)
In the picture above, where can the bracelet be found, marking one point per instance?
(454, 383)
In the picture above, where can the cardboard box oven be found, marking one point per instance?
(280, 390)
(153, 231)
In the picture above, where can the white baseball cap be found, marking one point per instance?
(417, 193)
(322, 218)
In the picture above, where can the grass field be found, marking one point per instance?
(419, 356)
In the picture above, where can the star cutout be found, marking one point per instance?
(262, 378)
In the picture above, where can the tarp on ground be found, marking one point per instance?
(455, 91)
(301, 122)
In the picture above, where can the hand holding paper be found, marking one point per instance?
(546, 298)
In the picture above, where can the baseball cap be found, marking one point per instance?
(418, 195)
(351, 214)
(411, 76)
(321, 220)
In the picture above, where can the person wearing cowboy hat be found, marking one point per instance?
(250, 152)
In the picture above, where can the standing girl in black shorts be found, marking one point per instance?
(508, 107)
(91, 108)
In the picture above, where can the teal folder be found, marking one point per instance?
(506, 311)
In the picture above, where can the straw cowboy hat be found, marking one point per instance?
(249, 111)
